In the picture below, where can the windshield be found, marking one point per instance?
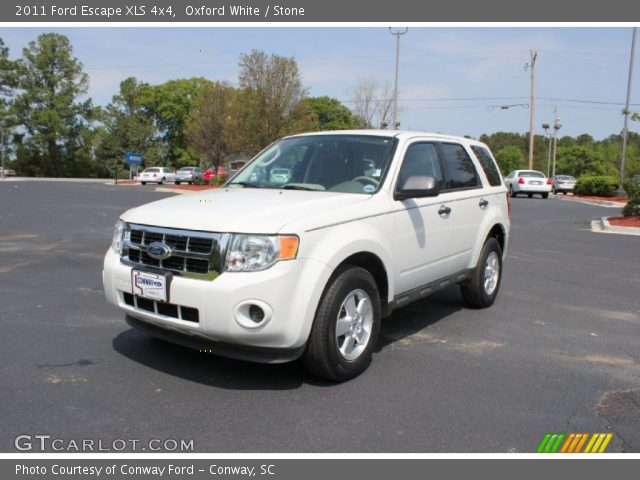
(337, 163)
(565, 177)
(151, 170)
(186, 169)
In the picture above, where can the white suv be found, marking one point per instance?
(310, 245)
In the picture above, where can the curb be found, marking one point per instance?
(599, 203)
(603, 226)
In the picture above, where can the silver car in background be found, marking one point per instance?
(188, 175)
(563, 183)
(529, 182)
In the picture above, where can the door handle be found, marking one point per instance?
(443, 210)
(483, 203)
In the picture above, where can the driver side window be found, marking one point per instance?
(421, 160)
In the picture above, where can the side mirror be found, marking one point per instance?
(417, 186)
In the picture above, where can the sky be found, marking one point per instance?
(451, 80)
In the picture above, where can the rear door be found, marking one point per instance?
(467, 200)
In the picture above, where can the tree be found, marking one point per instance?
(169, 104)
(212, 123)
(273, 98)
(578, 160)
(510, 158)
(128, 126)
(372, 103)
(331, 114)
(6, 91)
(55, 120)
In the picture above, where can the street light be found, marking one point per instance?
(546, 127)
(556, 126)
(397, 34)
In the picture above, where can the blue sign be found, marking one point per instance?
(133, 158)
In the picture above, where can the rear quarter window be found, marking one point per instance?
(488, 165)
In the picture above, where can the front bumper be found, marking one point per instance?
(289, 292)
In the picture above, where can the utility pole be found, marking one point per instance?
(620, 192)
(397, 34)
(556, 127)
(532, 117)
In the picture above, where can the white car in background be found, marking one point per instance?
(188, 175)
(529, 182)
(157, 175)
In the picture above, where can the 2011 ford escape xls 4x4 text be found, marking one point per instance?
(307, 248)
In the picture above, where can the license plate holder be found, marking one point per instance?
(151, 285)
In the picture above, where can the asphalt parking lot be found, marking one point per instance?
(558, 352)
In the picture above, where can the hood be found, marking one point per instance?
(242, 210)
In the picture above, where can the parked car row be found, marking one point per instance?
(188, 175)
(5, 172)
(532, 182)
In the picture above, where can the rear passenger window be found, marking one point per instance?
(488, 165)
(459, 167)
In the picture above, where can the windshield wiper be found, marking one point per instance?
(297, 187)
(245, 184)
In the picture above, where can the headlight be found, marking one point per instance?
(118, 234)
(250, 253)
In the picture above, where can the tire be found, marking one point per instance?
(530, 195)
(177, 183)
(545, 195)
(143, 183)
(482, 289)
(512, 191)
(340, 358)
(190, 183)
(161, 182)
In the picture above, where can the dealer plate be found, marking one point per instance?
(149, 285)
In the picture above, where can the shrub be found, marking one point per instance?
(601, 186)
(218, 180)
(633, 199)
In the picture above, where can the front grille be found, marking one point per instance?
(171, 310)
(193, 253)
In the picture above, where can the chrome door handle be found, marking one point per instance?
(483, 203)
(443, 210)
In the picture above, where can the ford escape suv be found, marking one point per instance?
(303, 251)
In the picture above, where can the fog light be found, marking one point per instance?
(256, 313)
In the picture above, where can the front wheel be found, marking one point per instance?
(512, 191)
(143, 183)
(482, 289)
(346, 326)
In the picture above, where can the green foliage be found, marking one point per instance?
(510, 158)
(273, 99)
(56, 121)
(211, 129)
(128, 126)
(219, 179)
(579, 160)
(331, 114)
(633, 199)
(169, 105)
(602, 186)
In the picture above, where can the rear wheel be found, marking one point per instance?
(545, 195)
(512, 191)
(530, 195)
(177, 183)
(345, 330)
(482, 289)
(161, 181)
(143, 183)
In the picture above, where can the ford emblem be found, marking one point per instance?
(158, 250)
